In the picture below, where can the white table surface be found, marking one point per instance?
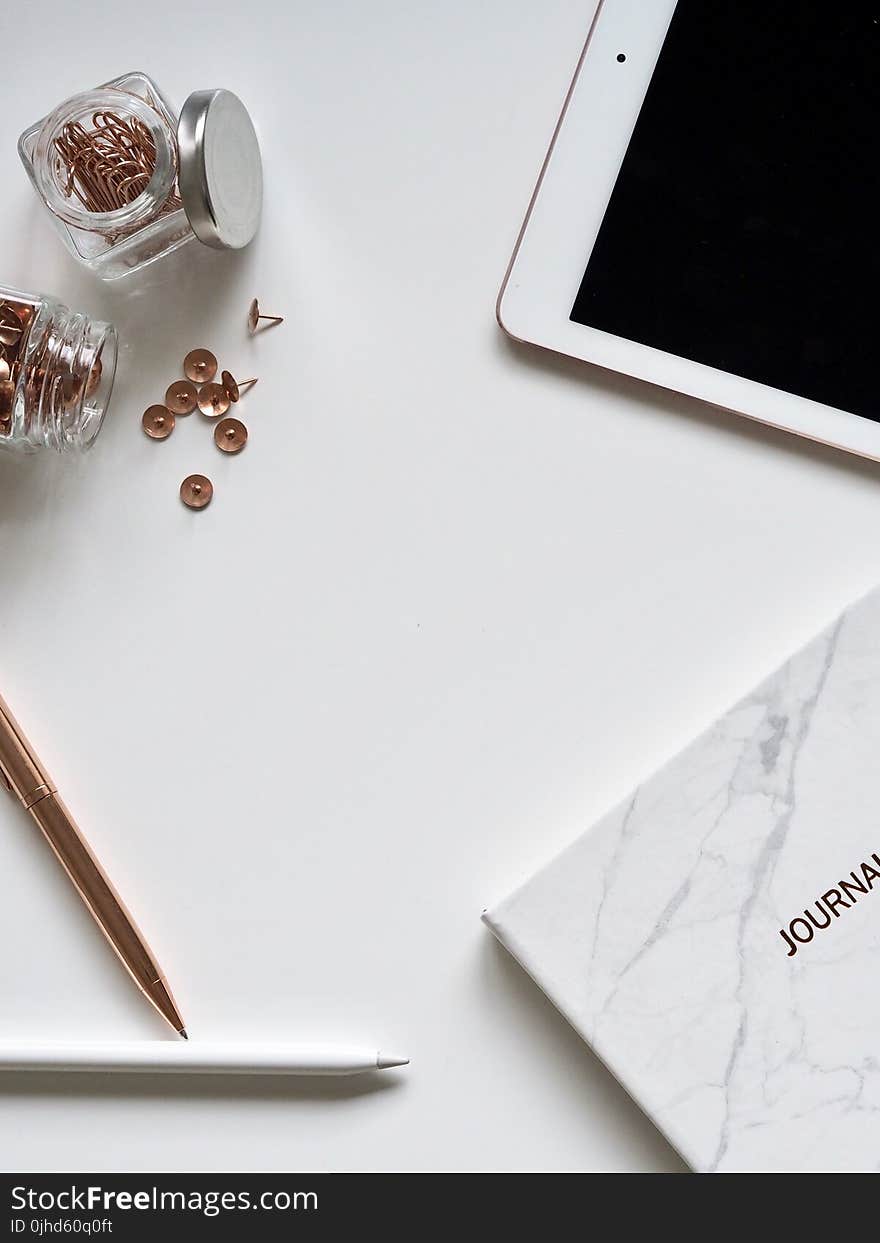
(452, 601)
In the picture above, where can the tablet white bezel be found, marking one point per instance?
(564, 218)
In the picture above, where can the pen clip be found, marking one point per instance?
(20, 770)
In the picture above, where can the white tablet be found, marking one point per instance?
(708, 215)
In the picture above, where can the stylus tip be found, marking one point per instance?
(183, 1033)
(385, 1061)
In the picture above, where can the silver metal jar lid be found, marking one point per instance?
(220, 169)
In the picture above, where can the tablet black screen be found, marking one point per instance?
(744, 227)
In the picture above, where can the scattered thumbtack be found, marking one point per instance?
(213, 400)
(255, 315)
(6, 371)
(233, 387)
(158, 422)
(181, 397)
(196, 491)
(199, 388)
(200, 366)
(230, 436)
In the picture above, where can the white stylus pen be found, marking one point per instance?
(170, 1057)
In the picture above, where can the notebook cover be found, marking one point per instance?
(715, 937)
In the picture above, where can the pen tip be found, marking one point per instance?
(183, 1033)
(384, 1061)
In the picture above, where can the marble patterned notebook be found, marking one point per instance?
(716, 937)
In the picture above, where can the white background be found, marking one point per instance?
(451, 602)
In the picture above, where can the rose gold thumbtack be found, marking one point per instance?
(233, 387)
(196, 491)
(230, 436)
(213, 400)
(6, 370)
(254, 317)
(200, 366)
(181, 397)
(10, 326)
(94, 380)
(69, 388)
(158, 422)
(7, 397)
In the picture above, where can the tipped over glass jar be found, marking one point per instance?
(56, 374)
(127, 182)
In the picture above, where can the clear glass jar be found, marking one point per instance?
(56, 374)
(127, 181)
(135, 228)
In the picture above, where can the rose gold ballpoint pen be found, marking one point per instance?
(22, 774)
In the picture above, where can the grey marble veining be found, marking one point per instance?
(659, 932)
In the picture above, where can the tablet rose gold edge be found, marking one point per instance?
(712, 405)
